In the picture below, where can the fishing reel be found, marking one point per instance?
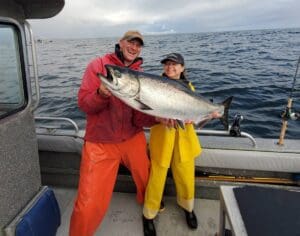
(289, 114)
(235, 129)
(295, 115)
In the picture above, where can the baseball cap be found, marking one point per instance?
(175, 57)
(133, 34)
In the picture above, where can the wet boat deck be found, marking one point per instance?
(124, 216)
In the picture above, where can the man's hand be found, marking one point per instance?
(103, 91)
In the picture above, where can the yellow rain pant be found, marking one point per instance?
(175, 148)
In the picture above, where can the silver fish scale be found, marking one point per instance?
(159, 96)
(169, 101)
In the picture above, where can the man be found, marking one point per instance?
(114, 136)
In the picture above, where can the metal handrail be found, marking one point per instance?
(59, 119)
(34, 65)
(226, 133)
(221, 133)
(198, 131)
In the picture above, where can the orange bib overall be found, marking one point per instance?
(98, 172)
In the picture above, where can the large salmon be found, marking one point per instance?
(162, 97)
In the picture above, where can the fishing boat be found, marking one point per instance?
(40, 158)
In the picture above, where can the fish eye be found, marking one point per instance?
(118, 74)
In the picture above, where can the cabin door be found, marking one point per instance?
(19, 166)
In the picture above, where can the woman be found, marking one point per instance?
(172, 146)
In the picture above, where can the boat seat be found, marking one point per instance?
(41, 216)
(60, 143)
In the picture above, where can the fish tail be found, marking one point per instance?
(224, 119)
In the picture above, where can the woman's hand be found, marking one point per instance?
(170, 123)
(215, 115)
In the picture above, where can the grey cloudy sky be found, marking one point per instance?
(97, 18)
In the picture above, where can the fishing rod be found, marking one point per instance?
(288, 113)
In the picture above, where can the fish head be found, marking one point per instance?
(121, 80)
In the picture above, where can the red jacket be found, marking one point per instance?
(109, 120)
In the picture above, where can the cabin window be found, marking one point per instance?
(12, 77)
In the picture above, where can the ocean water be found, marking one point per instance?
(256, 67)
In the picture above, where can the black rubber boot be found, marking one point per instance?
(149, 228)
(191, 219)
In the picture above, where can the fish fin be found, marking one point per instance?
(180, 124)
(202, 123)
(142, 106)
(224, 119)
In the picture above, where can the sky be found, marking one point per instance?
(111, 18)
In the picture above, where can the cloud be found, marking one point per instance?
(94, 18)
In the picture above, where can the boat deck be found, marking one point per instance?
(124, 216)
